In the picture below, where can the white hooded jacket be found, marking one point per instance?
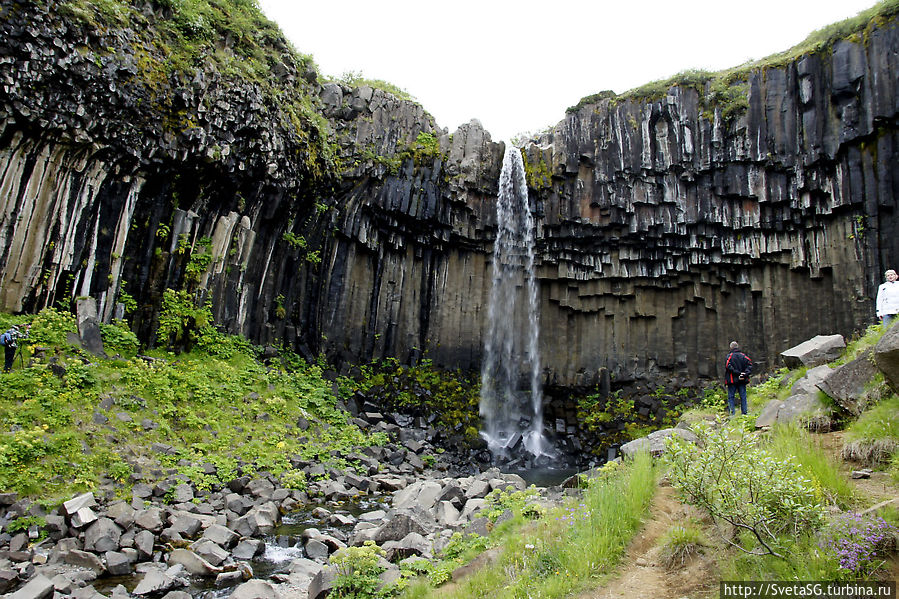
(888, 298)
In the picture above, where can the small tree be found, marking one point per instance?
(741, 483)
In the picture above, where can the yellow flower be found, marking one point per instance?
(281, 445)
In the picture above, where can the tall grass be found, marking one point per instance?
(571, 547)
(830, 484)
(874, 437)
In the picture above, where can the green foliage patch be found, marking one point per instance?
(216, 404)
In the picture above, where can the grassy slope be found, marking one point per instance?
(72, 421)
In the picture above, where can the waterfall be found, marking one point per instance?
(511, 396)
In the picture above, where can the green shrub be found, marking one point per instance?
(52, 326)
(358, 571)
(181, 321)
(680, 544)
(118, 338)
(743, 484)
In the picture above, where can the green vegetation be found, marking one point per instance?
(356, 79)
(681, 543)
(452, 397)
(728, 89)
(230, 37)
(741, 483)
(216, 404)
(357, 572)
(873, 439)
(568, 549)
(829, 484)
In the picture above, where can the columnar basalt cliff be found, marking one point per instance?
(667, 226)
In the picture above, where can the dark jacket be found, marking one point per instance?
(737, 363)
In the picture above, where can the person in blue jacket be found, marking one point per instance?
(737, 368)
(9, 341)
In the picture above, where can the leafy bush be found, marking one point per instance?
(498, 501)
(118, 338)
(358, 571)
(52, 326)
(181, 321)
(739, 482)
(858, 542)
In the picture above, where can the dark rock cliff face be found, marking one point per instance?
(665, 230)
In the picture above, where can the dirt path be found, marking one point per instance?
(644, 575)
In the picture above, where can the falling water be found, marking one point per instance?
(511, 397)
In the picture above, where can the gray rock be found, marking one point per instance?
(797, 406)
(76, 503)
(809, 383)
(122, 514)
(817, 350)
(423, 493)
(478, 489)
(211, 552)
(83, 517)
(193, 563)
(255, 589)
(221, 535)
(144, 541)
(247, 549)
(305, 567)
(316, 550)
(846, 384)
(183, 493)
(117, 563)
(655, 441)
(150, 519)
(322, 583)
(83, 559)
(89, 327)
(101, 536)
(246, 526)
(412, 544)
(769, 414)
(886, 357)
(38, 587)
(155, 581)
(186, 526)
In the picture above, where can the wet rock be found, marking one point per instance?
(193, 563)
(255, 589)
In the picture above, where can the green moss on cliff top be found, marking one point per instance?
(725, 87)
(177, 43)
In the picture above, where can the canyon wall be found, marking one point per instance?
(667, 226)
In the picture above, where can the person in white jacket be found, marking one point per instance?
(888, 298)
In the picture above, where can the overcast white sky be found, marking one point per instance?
(516, 66)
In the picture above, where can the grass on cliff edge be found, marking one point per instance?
(724, 86)
(569, 549)
(72, 422)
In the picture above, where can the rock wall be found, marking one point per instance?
(665, 229)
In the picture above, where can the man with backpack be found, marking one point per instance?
(10, 341)
(737, 368)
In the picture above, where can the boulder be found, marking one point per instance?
(412, 544)
(322, 583)
(101, 536)
(797, 406)
(813, 377)
(209, 551)
(71, 506)
(38, 587)
(817, 350)
(154, 582)
(886, 357)
(255, 589)
(117, 563)
(769, 414)
(193, 563)
(655, 441)
(846, 384)
(89, 326)
(221, 536)
(423, 493)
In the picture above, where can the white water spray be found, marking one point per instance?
(511, 396)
